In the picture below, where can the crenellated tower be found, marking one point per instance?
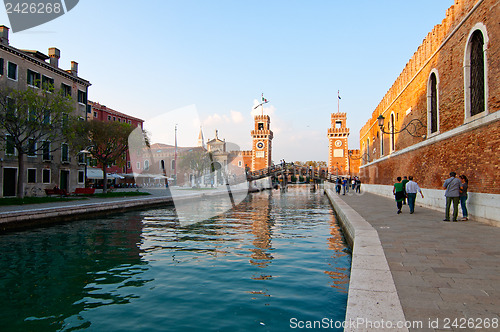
(262, 137)
(338, 153)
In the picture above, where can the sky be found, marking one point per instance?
(195, 63)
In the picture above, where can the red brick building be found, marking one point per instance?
(450, 90)
(103, 113)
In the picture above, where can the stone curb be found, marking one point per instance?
(16, 220)
(372, 293)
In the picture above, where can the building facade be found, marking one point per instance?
(445, 102)
(20, 69)
(103, 113)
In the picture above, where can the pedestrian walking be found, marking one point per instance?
(404, 182)
(463, 196)
(399, 193)
(452, 194)
(344, 184)
(338, 184)
(358, 185)
(412, 189)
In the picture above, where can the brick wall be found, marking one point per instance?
(473, 149)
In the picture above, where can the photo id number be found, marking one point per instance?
(33, 8)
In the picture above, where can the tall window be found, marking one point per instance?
(45, 175)
(64, 153)
(31, 147)
(47, 83)
(82, 97)
(368, 150)
(46, 150)
(33, 78)
(66, 90)
(433, 103)
(31, 175)
(12, 71)
(10, 147)
(477, 74)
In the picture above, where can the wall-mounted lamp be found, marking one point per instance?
(411, 127)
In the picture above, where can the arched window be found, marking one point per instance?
(432, 104)
(475, 73)
(368, 150)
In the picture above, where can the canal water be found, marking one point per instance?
(274, 262)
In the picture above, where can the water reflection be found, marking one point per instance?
(277, 255)
(53, 273)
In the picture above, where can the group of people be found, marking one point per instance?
(345, 183)
(406, 189)
(456, 191)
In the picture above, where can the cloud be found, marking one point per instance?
(237, 117)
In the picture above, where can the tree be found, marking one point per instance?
(107, 142)
(33, 122)
(198, 161)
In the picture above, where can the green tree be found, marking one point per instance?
(33, 122)
(107, 142)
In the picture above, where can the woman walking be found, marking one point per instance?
(399, 193)
(463, 196)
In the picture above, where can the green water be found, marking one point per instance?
(276, 257)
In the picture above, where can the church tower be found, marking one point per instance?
(262, 137)
(338, 153)
(201, 141)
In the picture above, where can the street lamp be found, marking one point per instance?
(415, 124)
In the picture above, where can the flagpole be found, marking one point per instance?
(262, 111)
(338, 101)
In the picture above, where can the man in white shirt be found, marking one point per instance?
(412, 189)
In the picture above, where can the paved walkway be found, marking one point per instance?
(442, 270)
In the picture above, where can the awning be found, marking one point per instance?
(94, 173)
(114, 176)
(97, 174)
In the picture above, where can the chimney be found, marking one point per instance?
(4, 35)
(54, 54)
(74, 68)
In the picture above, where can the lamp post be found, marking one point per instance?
(415, 123)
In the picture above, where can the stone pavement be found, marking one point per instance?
(445, 271)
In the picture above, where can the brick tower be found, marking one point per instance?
(262, 137)
(338, 153)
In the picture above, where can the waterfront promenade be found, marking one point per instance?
(446, 272)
